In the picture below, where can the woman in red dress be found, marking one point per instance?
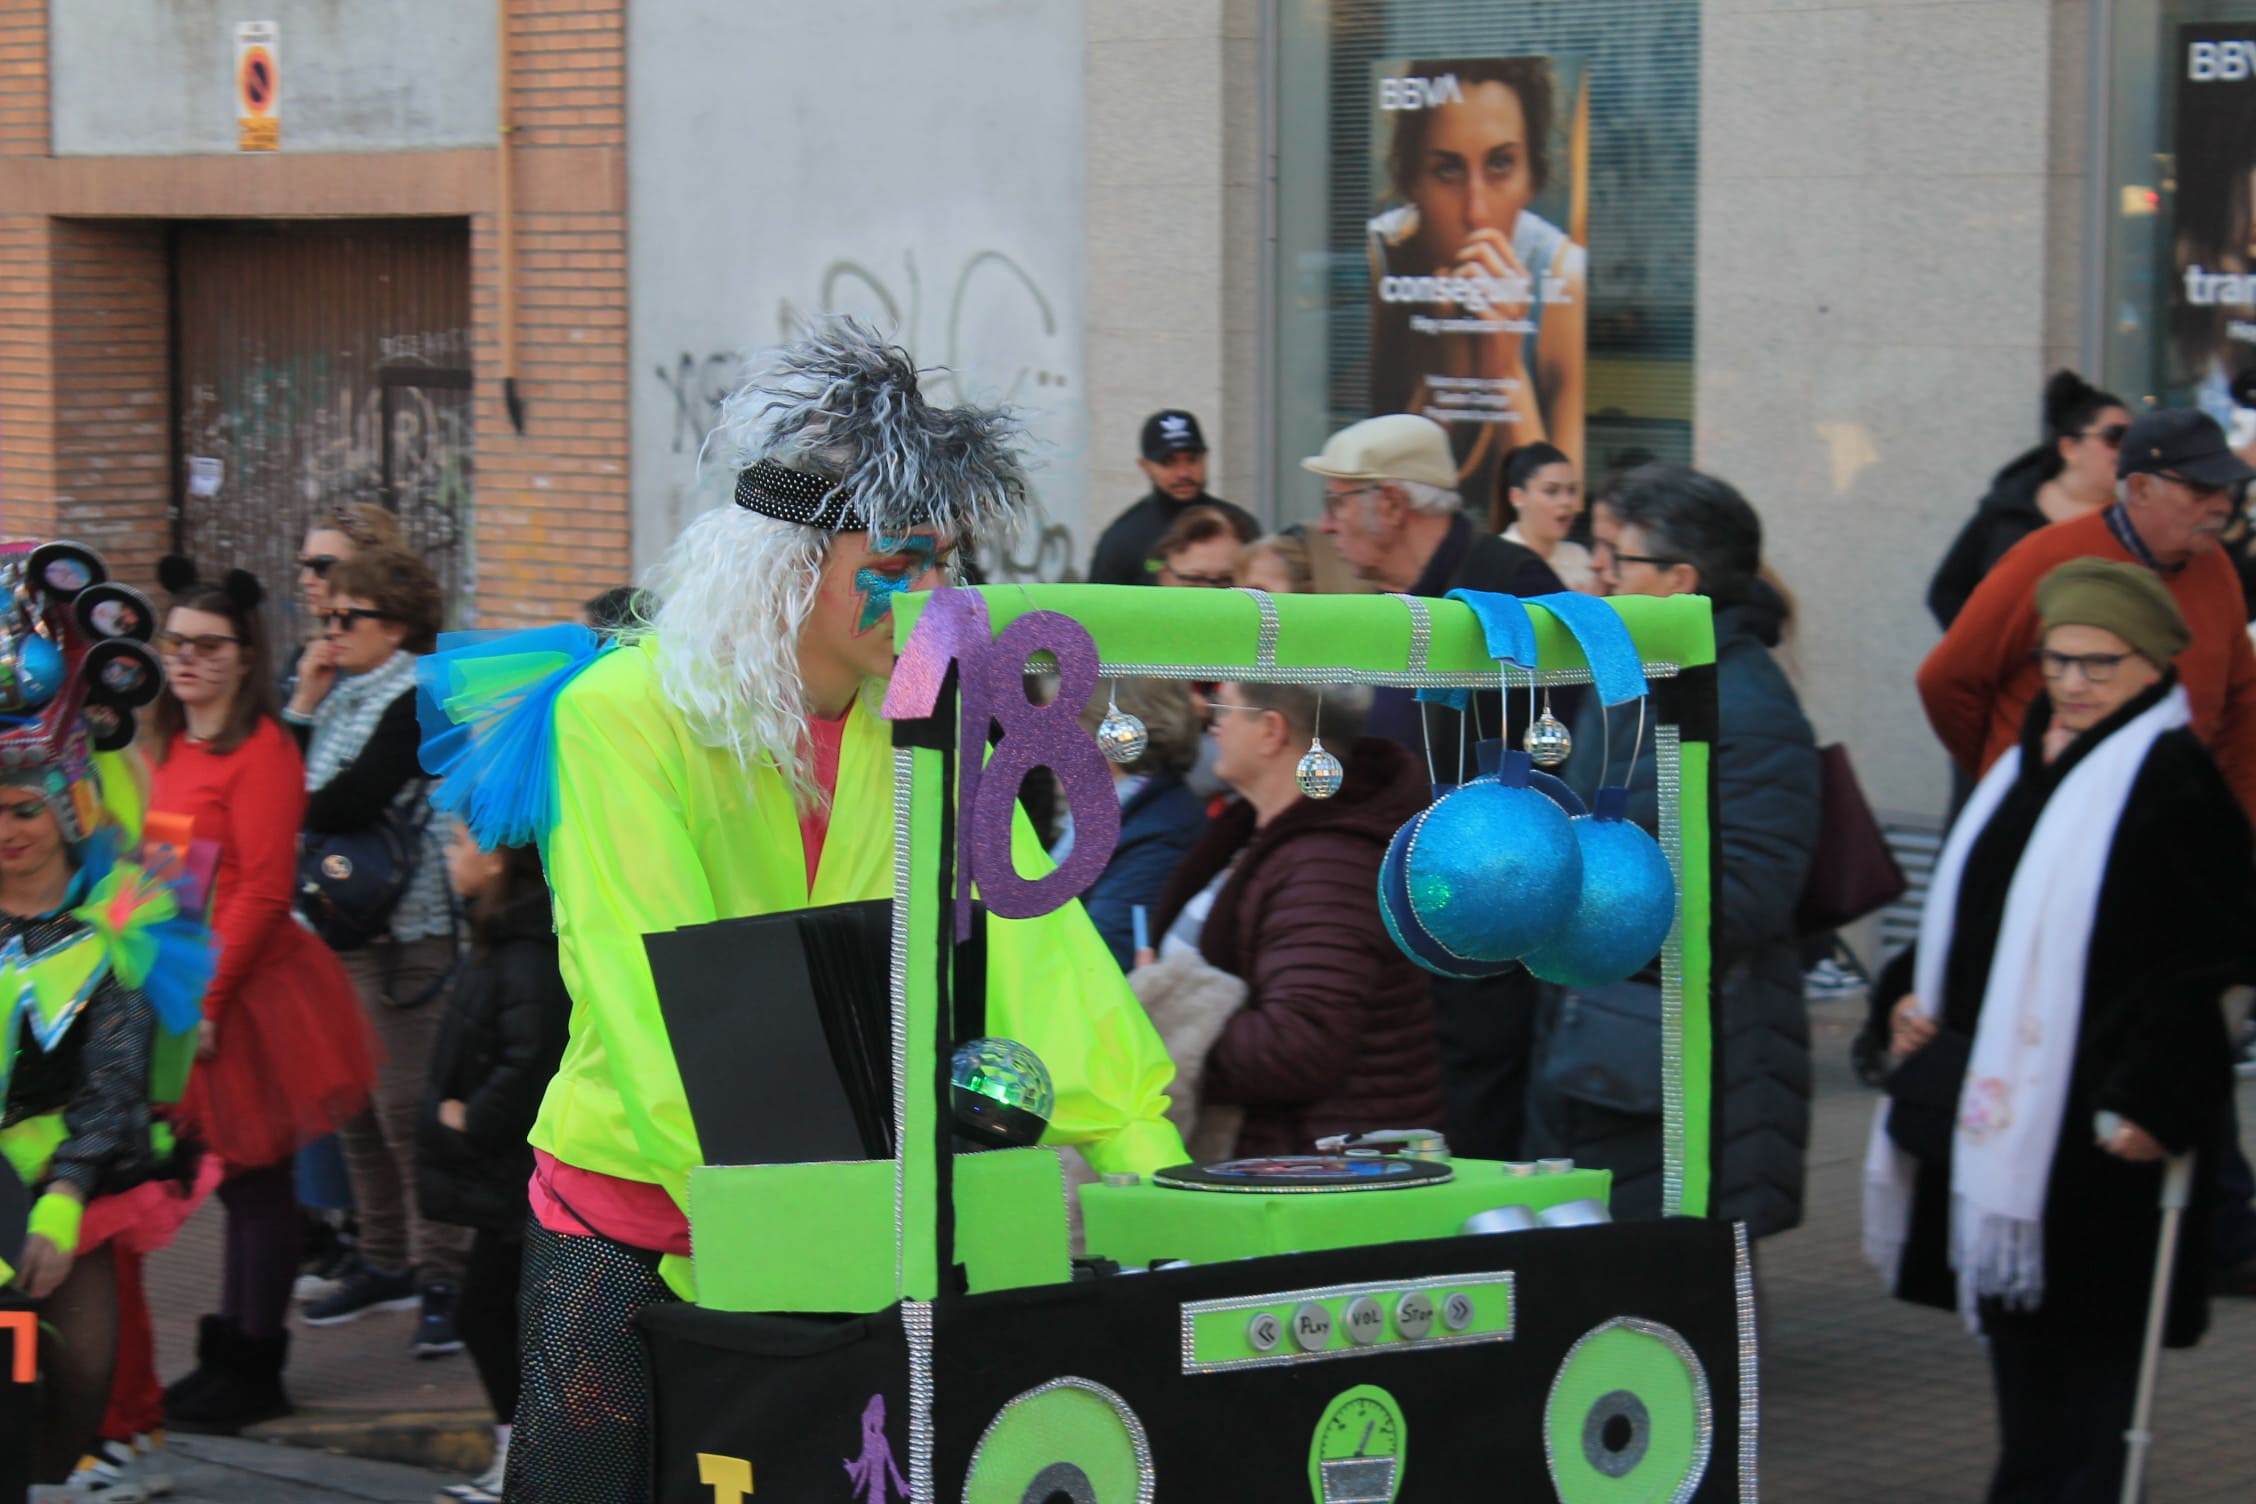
(286, 1055)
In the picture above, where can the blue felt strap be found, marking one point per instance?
(1504, 622)
(1605, 642)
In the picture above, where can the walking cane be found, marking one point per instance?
(2177, 1189)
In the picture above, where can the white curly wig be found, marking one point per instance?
(737, 586)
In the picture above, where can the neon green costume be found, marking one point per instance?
(655, 831)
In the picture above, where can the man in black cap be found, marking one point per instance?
(1174, 461)
(2179, 486)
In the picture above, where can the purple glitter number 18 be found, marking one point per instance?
(992, 674)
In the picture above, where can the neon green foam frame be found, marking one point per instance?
(1247, 636)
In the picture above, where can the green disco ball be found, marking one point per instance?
(1630, 1420)
(1001, 1093)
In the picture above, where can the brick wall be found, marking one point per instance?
(85, 450)
(23, 78)
(112, 391)
(85, 389)
(553, 503)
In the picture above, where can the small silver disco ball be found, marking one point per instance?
(1122, 738)
(1548, 742)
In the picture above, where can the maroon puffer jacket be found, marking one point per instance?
(1337, 1033)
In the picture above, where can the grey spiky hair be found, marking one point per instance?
(841, 403)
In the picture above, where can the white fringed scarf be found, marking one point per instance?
(2016, 1086)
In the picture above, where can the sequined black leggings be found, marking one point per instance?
(583, 1416)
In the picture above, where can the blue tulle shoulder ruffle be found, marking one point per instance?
(170, 957)
(485, 702)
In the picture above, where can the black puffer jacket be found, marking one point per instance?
(2006, 515)
(504, 1033)
(2177, 905)
(1765, 771)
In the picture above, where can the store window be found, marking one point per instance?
(1486, 213)
(2179, 303)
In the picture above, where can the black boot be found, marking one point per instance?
(246, 1387)
(213, 1336)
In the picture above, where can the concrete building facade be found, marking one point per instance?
(1884, 238)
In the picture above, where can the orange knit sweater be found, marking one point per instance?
(1979, 680)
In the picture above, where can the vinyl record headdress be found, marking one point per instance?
(833, 432)
(74, 666)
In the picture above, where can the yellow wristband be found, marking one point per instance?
(55, 1217)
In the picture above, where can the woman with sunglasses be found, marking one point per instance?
(355, 708)
(285, 1057)
(335, 537)
(2071, 473)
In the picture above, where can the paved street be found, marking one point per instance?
(259, 1472)
(1863, 1397)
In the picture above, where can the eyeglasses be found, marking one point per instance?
(1248, 709)
(2097, 668)
(1203, 581)
(1333, 500)
(345, 618)
(317, 565)
(26, 809)
(2111, 434)
(202, 645)
(1605, 556)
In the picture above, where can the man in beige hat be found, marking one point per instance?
(1391, 506)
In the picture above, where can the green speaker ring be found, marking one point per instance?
(1630, 1419)
(1070, 1437)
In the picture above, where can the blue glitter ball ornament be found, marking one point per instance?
(1487, 874)
(39, 672)
(1000, 1092)
(1627, 903)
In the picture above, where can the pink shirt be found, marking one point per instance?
(568, 1199)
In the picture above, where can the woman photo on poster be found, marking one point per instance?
(2213, 235)
(1478, 301)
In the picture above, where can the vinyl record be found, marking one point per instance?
(62, 570)
(1301, 1174)
(1630, 1420)
(1069, 1439)
(111, 728)
(122, 673)
(113, 610)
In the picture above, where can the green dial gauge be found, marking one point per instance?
(1358, 1451)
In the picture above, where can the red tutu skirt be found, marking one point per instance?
(295, 1058)
(145, 1218)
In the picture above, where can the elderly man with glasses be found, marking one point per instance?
(2178, 488)
(1392, 508)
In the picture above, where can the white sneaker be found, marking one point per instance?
(483, 1489)
(110, 1474)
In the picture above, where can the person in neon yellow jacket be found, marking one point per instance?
(725, 760)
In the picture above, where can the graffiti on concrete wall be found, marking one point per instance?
(297, 436)
(995, 337)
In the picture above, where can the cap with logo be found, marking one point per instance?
(1172, 431)
(1398, 446)
(2182, 442)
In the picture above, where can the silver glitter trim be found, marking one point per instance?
(1192, 1309)
(1265, 652)
(1749, 1389)
(1147, 1478)
(1703, 1424)
(1402, 678)
(1668, 753)
(904, 777)
(1421, 630)
(916, 1323)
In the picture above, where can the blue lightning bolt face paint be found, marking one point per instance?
(914, 555)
